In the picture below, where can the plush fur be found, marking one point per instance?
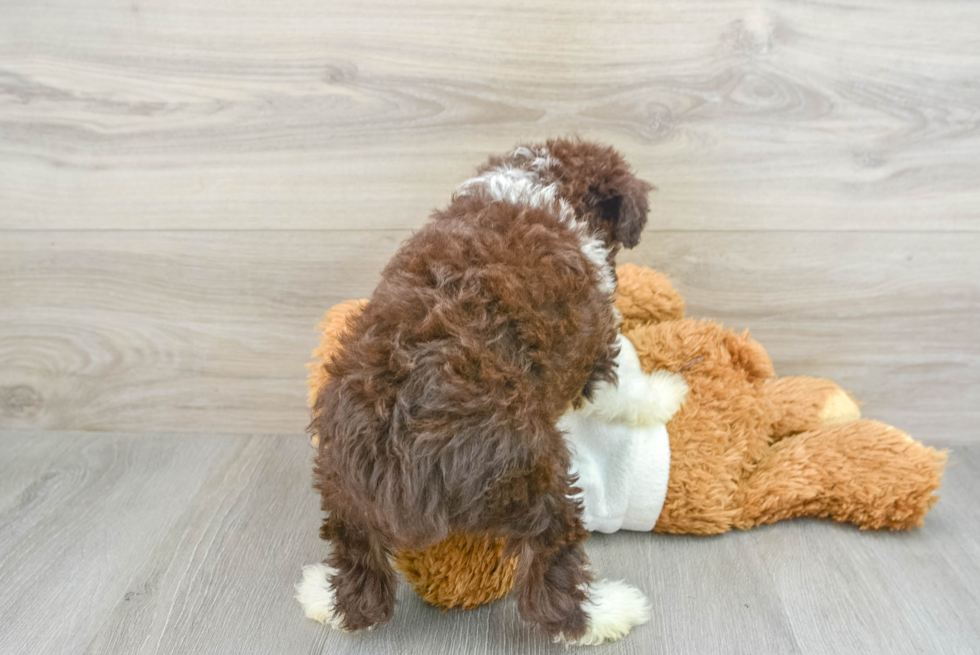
(638, 397)
(747, 448)
(438, 409)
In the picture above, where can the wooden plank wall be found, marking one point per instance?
(186, 186)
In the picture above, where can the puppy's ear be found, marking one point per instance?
(622, 208)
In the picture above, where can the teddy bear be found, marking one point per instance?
(746, 448)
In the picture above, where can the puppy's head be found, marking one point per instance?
(601, 188)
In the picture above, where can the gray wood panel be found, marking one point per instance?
(184, 188)
(125, 543)
(191, 331)
(860, 114)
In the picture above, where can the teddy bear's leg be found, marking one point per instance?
(805, 403)
(863, 472)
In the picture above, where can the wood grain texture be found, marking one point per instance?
(170, 329)
(186, 187)
(187, 331)
(124, 543)
(749, 114)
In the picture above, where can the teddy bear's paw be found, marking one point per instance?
(316, 596)
(640, 399)
(613, 608)
(637, 398)
(665, 393)
(839, 407)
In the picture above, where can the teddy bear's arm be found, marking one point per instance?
(334, 323)
(638, 398)
(646, 296)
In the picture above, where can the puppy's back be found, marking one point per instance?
(484, 328)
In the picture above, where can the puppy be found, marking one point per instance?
(443, 400)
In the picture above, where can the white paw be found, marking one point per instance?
(638, 399)
(316, 595)
(613, 608)
(665, 393)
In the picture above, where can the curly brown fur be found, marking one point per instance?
(805, 403)
(596, 182)
(439, 409)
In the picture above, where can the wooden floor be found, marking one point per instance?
(125, 543)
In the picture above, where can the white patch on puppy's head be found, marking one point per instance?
(521, 182)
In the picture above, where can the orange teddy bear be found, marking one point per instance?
(746, 448)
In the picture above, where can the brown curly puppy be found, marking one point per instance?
(440, 408)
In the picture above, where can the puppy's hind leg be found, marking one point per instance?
(354, 588)
(555, 586)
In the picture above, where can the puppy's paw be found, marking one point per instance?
(316, 596)
(613, 608)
